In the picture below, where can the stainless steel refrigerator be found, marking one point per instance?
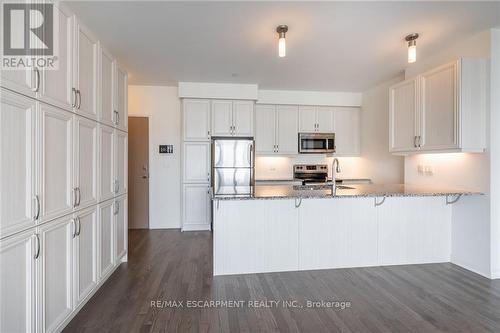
(233, 165)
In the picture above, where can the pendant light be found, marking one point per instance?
(412, 47)
(281, 30)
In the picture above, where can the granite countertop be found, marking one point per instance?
(350, 191)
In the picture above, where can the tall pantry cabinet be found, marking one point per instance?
(63, 181)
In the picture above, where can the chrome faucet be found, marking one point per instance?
(335, 169)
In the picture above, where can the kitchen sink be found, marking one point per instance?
(343, 187)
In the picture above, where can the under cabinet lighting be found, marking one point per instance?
(281, 30)
(412, 47)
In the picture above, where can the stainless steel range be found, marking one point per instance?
(310, 173)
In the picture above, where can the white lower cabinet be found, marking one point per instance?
(56, 257)
(85, 253)
(18, 283)
(121, 229)
(196, 210)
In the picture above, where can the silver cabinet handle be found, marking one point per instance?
(74, 197)
(419, 141)
(73, 92)
(117, 207)
(79, 99)
(117, 186)
(37, 252)
(208, 176)
(208, 134)
(415, 141)
(79, 226)
(117, 118)
(79, 195)
(37, 86)
(73, 221)
(37, 214)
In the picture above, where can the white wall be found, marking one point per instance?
(163, 106)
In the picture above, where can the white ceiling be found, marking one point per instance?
(332, 46)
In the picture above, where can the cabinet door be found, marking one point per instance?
(196, 162)
(287, 129)
(403, 117)
(19, 80)
(85, 161)
(196, 207)
(56, 146)
(86, 71)
(265, 122)
(85, 254)
(120, 162)
(106, 238)
(439, 108)
(106, 161)
(307, 119)
(196, 120)
(347, 134)
(324, 119)
(56, 85)
(106, 87)
(56, 272)
(243, 118)
(222, 121)
(18, 162)
(121, 98)
(120, 212)
(17, 287)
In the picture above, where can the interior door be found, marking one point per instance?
(120, 162)
(325, 119)
(106, 161)
(85, 253)
(265, 123)
(18, 163)
(85, 161)
(17, 287)
(138, 175)
(86, 75)
(56, 179)
(222, 118)
(347, 131)
(56, 84)
(106, 87)
(243, 118)
(307, 119)
(287, 129)
(56, 273)
(403, 116)
(106, 238)
(121, 97)
(196, 120)
(439, 108)
(120, 227)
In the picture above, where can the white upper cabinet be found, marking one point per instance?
(106, 61)
(265, 123)
(196, 120)
(120, 212)
(120, 98)
(347, 132)
(196, 162)
(106, 159)
(315, 119)
(56, 149)
(120, 162)
(106, 238)
(441, 110)
(286, 129)
(56, 84)
(18, 287)
(18, 205)
(85, 162)
(232, 118)
(85, 74)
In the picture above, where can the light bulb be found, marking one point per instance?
(282, 47)
(412, 53)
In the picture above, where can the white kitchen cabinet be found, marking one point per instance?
(347, 132)
(56, 85)
(85, 70)
(315, 119)
(56, 167)
(18, 283)
(196, 120)
(85, 162)
(196, 166)
(120, 162)
(120, 97)
(106, 238)
(23, 81)
(196, 210)
(18, 205)
(84, 254)
(56, 279)
(106, 162)
(232, 118)
(121, 229)
(106, 84)
(441, 110)
(276, 129)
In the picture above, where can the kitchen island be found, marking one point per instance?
(290, 228)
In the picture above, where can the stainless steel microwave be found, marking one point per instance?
(316, 143)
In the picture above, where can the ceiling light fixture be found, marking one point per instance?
(281, 30)
(412, 47)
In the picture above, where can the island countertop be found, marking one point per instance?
(350, 191)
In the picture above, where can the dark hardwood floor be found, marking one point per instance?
(173, 266)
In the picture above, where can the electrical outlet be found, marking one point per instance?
(429, 170)
(420, 169)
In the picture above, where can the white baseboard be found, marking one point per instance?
(196, 227)
(469, 267)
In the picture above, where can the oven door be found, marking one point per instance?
(316, 143)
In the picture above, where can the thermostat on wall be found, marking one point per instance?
(166, 149)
